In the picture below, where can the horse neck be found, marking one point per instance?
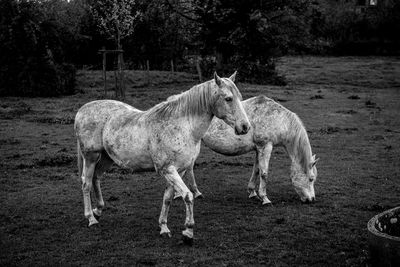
(195, 105)
(200, 119)
(298, 146)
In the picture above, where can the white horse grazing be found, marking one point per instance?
(165, 138)
(272, 125)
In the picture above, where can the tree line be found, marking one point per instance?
(42, 42)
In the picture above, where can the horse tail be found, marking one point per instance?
(79, 160)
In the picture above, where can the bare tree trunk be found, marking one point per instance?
(198, 67)
(220, 60)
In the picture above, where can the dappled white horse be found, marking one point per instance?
(272, 125)
(165, 138)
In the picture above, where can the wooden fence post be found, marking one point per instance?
(105, 71)
(122, 75)
(172, 65)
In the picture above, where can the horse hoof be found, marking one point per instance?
(253, 195)
(267, 203)
(166, 235)
(199, 196)
(92, 225)
(97, 217)
(187, 240)
(177, 197)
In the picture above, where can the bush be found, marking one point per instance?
(249, 71)
(38, 78)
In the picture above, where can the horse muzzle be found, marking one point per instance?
(309, 200)
(243, 129)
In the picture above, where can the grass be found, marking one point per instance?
(350, 107)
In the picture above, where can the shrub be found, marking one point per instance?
(249, 71)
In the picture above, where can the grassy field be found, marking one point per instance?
(350, 107)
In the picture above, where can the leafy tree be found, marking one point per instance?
(247, 34)
(161, 35)
(116, 19)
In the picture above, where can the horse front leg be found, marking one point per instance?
(251, 186)
(173, 178)
(176, 194)
(191, 183)
(264, 155)
(167, 199)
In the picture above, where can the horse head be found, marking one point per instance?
(303, 180)
(227, 104)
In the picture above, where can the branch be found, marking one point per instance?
(180, 13)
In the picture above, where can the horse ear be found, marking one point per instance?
(233, 76)
(314, 161)
(217, 79)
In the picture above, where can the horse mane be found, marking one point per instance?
(194, 101)
(300, 144)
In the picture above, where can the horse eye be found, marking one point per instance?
(228, 99)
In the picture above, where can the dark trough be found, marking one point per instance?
(384, 238)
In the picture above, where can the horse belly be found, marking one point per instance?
(128, 148)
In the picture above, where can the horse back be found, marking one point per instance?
(270, 120)
(90, 120)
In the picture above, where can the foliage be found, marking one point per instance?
(246, 34)
(116, 18)
(37, 38)
(160, 36)
(349, 29)
(32, 52)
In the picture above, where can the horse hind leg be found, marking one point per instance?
(264, 155)
(251, 186)
(103, 164)
(89, 164)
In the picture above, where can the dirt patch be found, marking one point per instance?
(55, 160)
(349, 111)
(55, 120)
(10, 141)
(370, 104)
(335, 129)
(317, 97)
(354, 97)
